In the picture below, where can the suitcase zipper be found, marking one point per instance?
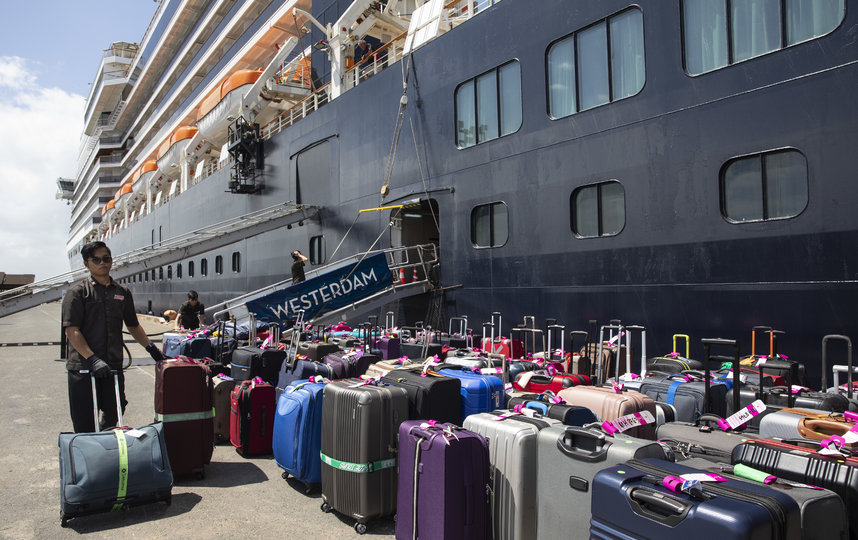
(774, 507)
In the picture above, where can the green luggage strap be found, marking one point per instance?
(182, 417)
(360, 468)
(122, 446)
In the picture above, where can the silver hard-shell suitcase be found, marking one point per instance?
(568, 458)
(512, 455)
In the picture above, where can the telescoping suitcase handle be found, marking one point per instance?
(504, 371)
(629, 330)
(95, 400)
(825, 340)
(601, 377)
(734, 360)
(551, 331)
(789, 376)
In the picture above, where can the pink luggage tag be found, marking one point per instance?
(796, 389)
(524, 379)
(489, 371)
(551, 370)
(851, 416)
(550, 396)
(629, 377)
(836, 444)
(742, 417)
(524, 410)
(506, 415)
(627, 422)
(367, 382)
(703, 477)
(617, 386)
(427, 365)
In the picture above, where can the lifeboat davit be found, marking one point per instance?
(223, 104)
(171, 150)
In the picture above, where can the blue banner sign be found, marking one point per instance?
(324, 293)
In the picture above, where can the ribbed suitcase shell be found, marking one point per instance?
(823, 514)
(185, 388)
(222, 396)
(89, 470)
(567, 460)
(512, 454)
(252, 418)
(297, 436)
(431, 397)
(746, 512)
(480, 393)
(360, 425)
(805, 465)
(610, 405)
(452, 477)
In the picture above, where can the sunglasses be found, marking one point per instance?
(107, 259)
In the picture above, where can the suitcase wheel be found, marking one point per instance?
(326, 507)
(64, 521)
(284, 475)
(360, 528)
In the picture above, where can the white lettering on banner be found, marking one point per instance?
(324, 294)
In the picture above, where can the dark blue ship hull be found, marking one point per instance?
(677, 266)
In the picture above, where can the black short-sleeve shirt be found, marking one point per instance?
(189, 316)
(99, 312)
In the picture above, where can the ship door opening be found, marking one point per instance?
(413, 225)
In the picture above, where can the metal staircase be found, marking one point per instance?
(169, 251)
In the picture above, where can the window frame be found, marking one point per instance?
(498, 105)
(491, 206)
(599, 209)
(576, 75)
(236, 262)
(218, 265)
(322, 247)
(764, 180)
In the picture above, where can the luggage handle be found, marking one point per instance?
(825, 340)
(754, 331)
(558, 328)
(583, 444)
(95, 400)
(820, 428)
(389, 320)
(491, 326)
(737, 384)
(653, 504)
(462, 323)
(642, 330)
(532, 332)
(599, 375)
(497, 323)
(792, 366)
(687, 344)
(538, 406)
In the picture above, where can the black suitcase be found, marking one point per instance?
(433, 397)
(249, 362)
(799, 461)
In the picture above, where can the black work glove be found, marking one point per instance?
(154, 352)
(98, 367)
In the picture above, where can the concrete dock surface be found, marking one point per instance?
(239, 497)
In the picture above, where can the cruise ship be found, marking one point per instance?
(686, 165)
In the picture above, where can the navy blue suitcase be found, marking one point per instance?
(297, 438)
(630, 501)
(301, 370)
(570, 415)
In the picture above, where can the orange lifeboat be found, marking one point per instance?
(222, 103)
(170, 151)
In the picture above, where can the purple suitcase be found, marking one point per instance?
(349, 364)
(443, 481)
(389, 347)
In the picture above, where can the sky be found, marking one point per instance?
(50, 52)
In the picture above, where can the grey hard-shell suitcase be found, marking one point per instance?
(512, 455)
(360, 424)
(568, 458)
(701, 439)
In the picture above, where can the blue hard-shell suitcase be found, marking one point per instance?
(301, 370)
(629, 501)
(480, 393)
(298, 431)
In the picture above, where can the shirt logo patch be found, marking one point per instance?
(118, 297)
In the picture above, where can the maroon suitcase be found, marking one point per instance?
(184, 402)
(251, 422)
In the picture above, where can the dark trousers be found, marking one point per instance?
(80, 401)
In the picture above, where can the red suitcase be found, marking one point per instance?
(251, 423)
(184, 403)
(530, 381)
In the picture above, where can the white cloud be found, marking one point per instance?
(39, 136)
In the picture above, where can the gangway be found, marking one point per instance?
(272, 303)
(169, 251)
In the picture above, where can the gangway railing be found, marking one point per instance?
(169, 251)
(416, 260)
